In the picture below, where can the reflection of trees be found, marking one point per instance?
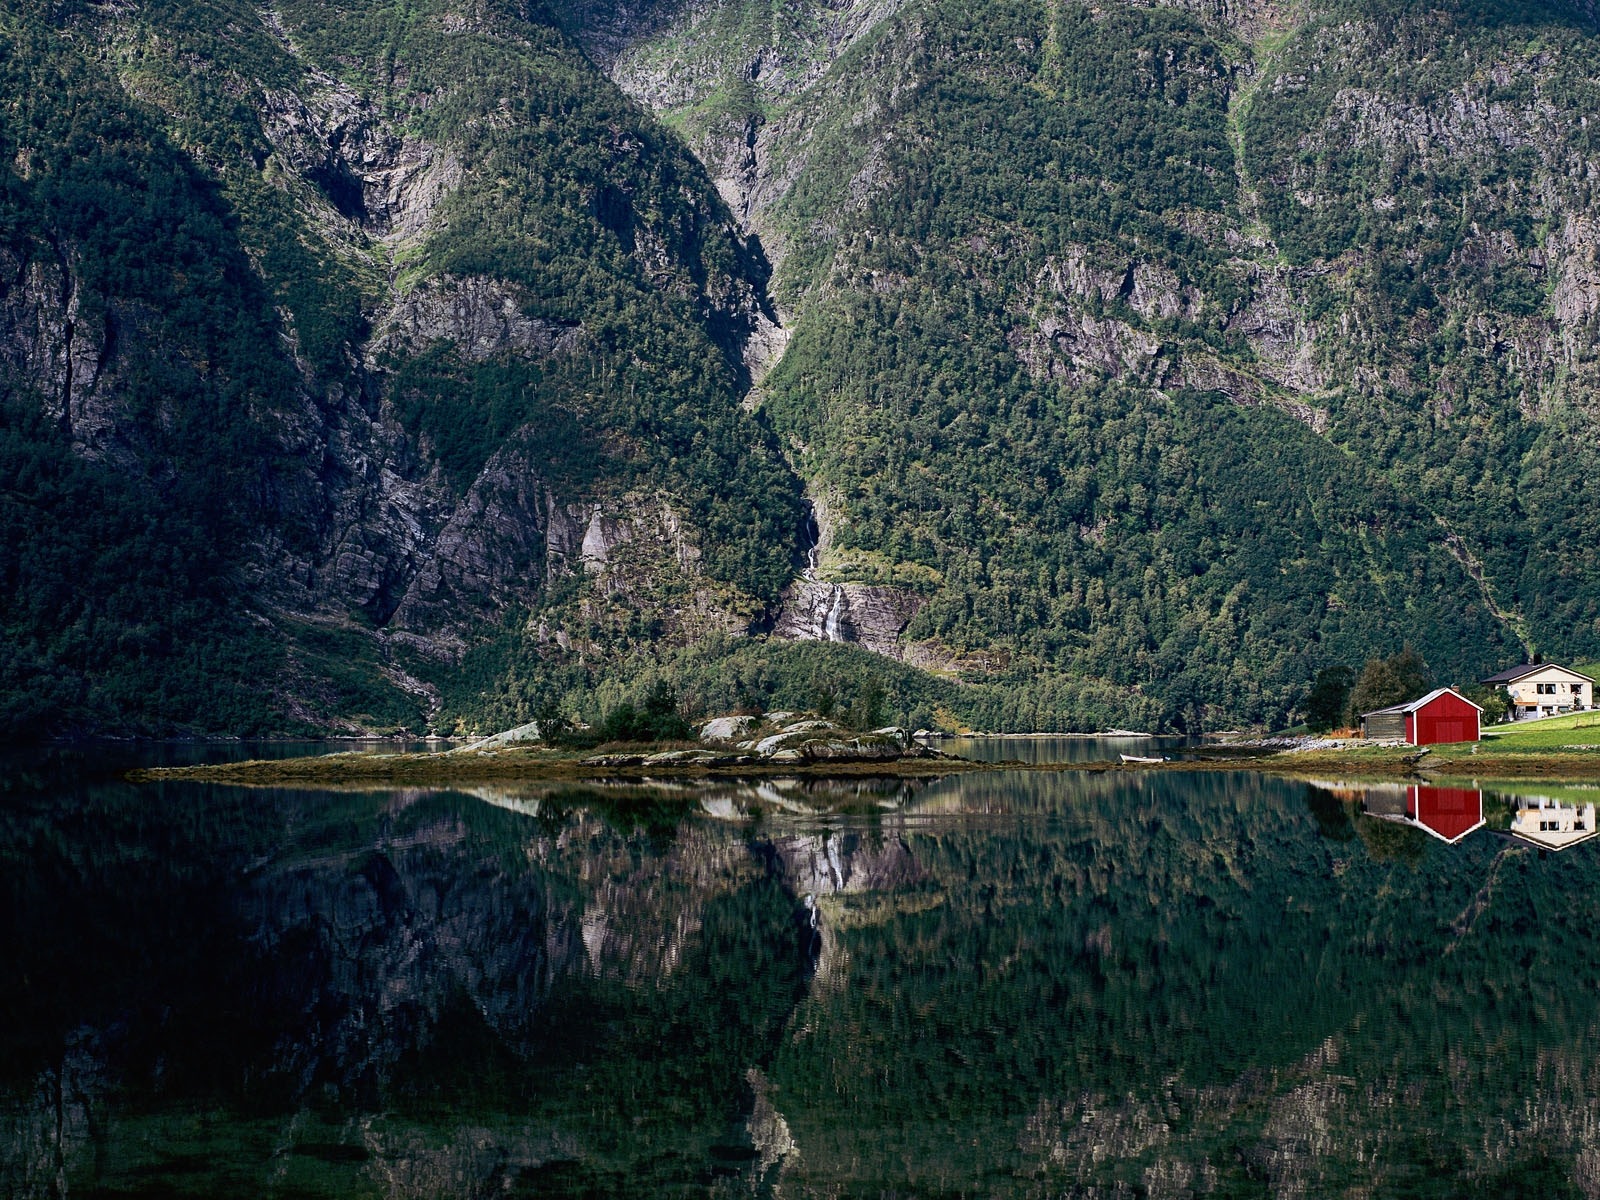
(1388, 841)
(591, 989)
(1189, 984)
(1023, 984)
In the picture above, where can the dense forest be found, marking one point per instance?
(378, 367)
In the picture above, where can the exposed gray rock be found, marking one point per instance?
(1575, 298)
(48, 344)
(673, 56)
(871, 615)
(767, 1130)
(490, 550)
(859, 749)
(809, 726)
(521, 735)
(845, 863)
(725, 729)
(1151, 289)
(771, 745)
(485, 318)
(1284, 341)
(373, 173)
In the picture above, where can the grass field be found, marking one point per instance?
(1552, 733)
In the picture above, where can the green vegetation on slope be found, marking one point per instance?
(1165, 369)
(1100, 521)
(229, 290)
(115, 571)
(1421, 162)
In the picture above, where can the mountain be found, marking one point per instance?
(425, 365)
(335, 335)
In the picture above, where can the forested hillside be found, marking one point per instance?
(376, 366)
(1182, 353)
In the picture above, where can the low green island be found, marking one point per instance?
(788, 744)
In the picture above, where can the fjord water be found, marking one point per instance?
(1010, 984)
(1073, 748)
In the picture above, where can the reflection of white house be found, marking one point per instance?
(1549, 823)
(1544, 689)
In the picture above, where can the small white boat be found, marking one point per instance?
(1139, 758)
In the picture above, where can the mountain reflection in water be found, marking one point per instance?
(1004, 984)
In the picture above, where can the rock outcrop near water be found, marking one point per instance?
(874, 617)
(798, 738)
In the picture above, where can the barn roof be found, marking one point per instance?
(1413, 705)
(1512, 674)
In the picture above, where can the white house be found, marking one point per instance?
(1543, 690)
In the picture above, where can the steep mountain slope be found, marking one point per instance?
(333, 333)
(378, 366)
(1171, 351)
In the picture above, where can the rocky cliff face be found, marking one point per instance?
(874, 617)
(763, 91)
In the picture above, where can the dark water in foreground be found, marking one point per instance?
(999, 985)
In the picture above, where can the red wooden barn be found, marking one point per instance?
(1443, 715)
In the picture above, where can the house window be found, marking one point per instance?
(1546, 689)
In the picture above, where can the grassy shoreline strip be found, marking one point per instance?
(532, 766)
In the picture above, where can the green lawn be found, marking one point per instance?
(1575, 729)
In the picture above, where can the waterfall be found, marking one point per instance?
(812, 533)
(831, 631)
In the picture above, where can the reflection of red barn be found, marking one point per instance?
(1448, 813)
(1443, 715)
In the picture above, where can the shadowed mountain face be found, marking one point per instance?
(332, 337)
(378, 366)
(1019, 984)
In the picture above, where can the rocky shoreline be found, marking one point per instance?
(810, 745)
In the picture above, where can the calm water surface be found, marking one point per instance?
(1046, 749)
(998, 985)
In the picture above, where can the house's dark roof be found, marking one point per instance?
(1512, 674)
(1413, 705)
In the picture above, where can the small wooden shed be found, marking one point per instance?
(1443, 715)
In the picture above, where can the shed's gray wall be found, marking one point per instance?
(1384, 725)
